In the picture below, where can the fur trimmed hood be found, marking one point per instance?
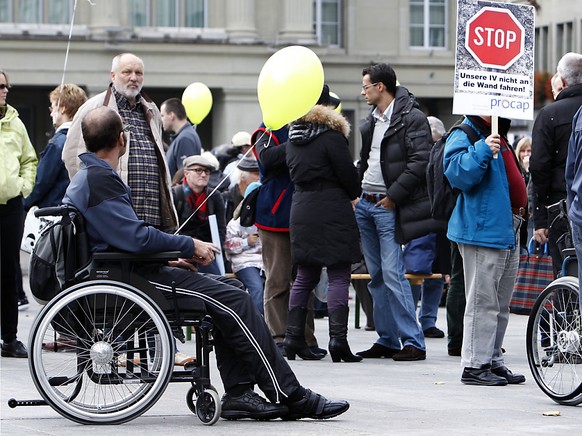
(317, 121)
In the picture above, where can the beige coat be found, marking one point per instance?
(75, 145)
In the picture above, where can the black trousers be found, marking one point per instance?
(11, 230)
(245, 350)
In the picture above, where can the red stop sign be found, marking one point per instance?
(495, 37)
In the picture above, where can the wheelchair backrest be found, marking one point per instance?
(60, 255)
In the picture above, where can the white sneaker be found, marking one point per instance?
(181, 359)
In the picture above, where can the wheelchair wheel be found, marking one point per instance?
(554, 342)
(94, 383)
(208, 406)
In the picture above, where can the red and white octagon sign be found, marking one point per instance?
(495, 37)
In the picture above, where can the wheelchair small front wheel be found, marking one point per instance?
(554, 342)
(208, 406)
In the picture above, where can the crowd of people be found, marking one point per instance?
(315, 211)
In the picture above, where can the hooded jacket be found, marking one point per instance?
(323, 225)
(404, 154)
(483, 214)
(75, 145)
(17, 158)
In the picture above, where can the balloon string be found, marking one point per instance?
(226, 176)
(67, 51)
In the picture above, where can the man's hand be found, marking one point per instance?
(204, 252)
(494, 143)
(386, 203)
(541, 235)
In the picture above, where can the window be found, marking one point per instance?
(327, 22)
(564, 37)
(541, 49)
(167, 13)
(36, 12)
(428, 23)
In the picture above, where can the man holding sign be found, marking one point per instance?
(493, 79)
(485, 225)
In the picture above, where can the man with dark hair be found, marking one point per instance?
(185, 141)
(245, 352)
(549, 150)
(393, 208)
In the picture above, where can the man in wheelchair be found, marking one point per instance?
(245, 350)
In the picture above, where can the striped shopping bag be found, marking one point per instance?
(535, 272)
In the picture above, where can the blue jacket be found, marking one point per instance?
(574, 171)
(52, 178)
(483, 213)
(276, 194)
(99, 194)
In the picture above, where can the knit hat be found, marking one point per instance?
(248, 163)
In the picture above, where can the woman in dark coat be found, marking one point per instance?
(323, 226)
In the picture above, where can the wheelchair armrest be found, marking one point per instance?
(569, 252)
(116, 256)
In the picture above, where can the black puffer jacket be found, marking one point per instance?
(549, 150)
(404, 156)
(323, 226)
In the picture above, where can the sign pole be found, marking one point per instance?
(495, 129)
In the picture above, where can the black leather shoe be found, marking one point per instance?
(315, 406)
(409, 354)
(378, 351)
(512, 379)
(482, 377)
(14, 349)
(433, 332)
(251, 405)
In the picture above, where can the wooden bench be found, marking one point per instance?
(414, 279)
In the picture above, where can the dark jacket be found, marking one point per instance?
(323, 225)
(52, 178)
(274, 201)
(549, 148)
(404, 156)
(195, 228)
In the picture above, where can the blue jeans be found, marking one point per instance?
(394, 308)
(432, 290)
(255, 283)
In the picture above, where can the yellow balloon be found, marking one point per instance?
(197, 99)
(289, 85)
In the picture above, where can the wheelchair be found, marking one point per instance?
(554, 334)
(123, 333)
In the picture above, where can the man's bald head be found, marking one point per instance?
(101, 128)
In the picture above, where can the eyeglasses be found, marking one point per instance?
(365, 87)
(199, 170)
(4, 86)
(126, 128)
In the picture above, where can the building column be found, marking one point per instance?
(240, 20)
(297, 25)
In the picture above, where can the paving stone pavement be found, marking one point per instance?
(386, 397)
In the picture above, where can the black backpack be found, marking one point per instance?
(441, 194)
(61, 252)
